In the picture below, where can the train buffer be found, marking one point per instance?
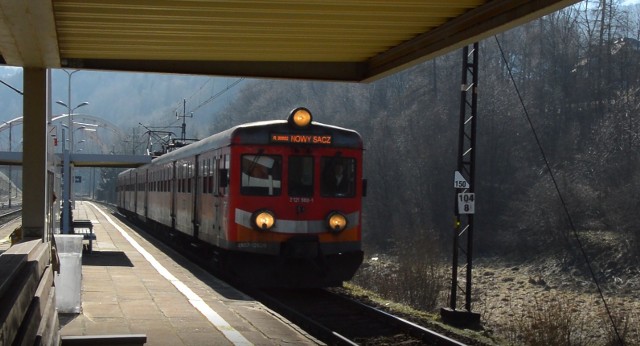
(84, 227)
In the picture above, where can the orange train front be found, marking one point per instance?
(274, 203)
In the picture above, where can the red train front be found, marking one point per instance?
(284, 201)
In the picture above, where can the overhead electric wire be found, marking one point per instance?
(10, 87)
(211, 98)
(202, 104)
(218, 94)
(562, 201)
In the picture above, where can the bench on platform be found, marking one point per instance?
(85, 228)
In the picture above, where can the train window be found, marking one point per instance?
(261, 175)
(216, 177)
(223, 175)
(300, 176)
(338, 176)
(179, 179)
(168, 180)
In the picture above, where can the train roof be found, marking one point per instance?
(260, 133)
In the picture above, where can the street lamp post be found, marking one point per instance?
(70, 118)
(10, 175)
(66, 198)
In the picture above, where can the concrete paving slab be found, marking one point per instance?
(133, 284)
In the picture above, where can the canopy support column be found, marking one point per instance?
(34, 165)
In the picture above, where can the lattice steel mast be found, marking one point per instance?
(464, 184)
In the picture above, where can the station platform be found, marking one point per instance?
(133, 284)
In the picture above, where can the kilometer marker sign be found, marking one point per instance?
(466, 203)
(459, 182)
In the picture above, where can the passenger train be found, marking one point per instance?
(272, 203)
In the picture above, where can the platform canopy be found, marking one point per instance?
(346, 40)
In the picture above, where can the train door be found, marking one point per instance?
(126, 195)
(119, 185)
(124, 190)
(220, 177)
(223, 188)
(128, 192)
(301, 183)
(173, 189)
(135, 193)
(197, 188)
(146, 193)
(206, 201)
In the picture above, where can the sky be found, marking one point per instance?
(132, 102)
(6, 71)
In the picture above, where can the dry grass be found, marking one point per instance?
(527, 306)
(414, 277)
(520, 305)
(548, 322)
(418, 285)
(547, 299)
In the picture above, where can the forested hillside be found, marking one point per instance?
(578, 75)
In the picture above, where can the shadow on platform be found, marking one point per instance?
(106, 258)
(65, 318)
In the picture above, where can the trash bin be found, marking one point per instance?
(69, 281)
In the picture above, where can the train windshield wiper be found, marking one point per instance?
(253, 164)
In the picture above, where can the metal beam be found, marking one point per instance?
(103, 160)
(329, 71)
(85, 160)
(482, 22)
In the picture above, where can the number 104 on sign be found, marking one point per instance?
(466, 203)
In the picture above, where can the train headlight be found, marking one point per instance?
(300, 117)
(336, 222)
(263, 220)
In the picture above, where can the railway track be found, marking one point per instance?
(338, 320)
(333, 318)
(9, 215)
(8, 221)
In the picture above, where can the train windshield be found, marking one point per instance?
(261, 175)
(338, 176)
(300, 176)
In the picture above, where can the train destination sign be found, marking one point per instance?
(301, 139)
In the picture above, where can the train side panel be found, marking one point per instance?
(129, 191)
(140, 193)
(160, 193)
(185, 177)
